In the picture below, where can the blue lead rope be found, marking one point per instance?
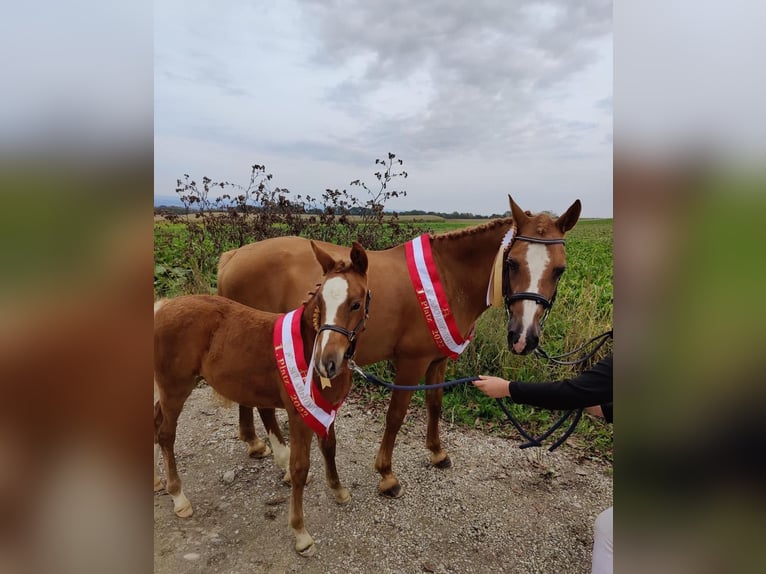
(531, 441)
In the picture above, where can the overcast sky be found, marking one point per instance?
(480, 99)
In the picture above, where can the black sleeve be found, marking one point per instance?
(608, 412)
(593, 387)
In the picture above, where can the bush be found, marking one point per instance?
(221, 215)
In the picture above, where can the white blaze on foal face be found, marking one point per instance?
(334, 294)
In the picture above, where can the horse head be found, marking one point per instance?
(532, 267)
(342, 307)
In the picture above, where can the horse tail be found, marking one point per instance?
(157, 306)
(225, 257)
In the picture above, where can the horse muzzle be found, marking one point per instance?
(520, 343)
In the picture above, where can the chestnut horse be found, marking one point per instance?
(233, 348)
(464, 260)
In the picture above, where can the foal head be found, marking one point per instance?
(342, 304)
(532, 268)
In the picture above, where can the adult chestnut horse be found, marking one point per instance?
(264, 360)
(271, 275)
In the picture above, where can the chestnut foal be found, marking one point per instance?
(239, 352)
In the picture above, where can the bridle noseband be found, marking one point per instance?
(351, 335)
(528, 295)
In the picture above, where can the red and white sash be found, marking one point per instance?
(313, 408)
(433, 299)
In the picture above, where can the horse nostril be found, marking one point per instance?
(532, 342)
(331, 369)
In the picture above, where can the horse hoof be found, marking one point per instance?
(304, 544)
(342, 495)
(259, 451)
(444, 463)
(158, 485)
(181, 505)
(308, 552)
(287, 479)
(395, 491)
(184, 512)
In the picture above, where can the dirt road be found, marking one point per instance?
(498, 509)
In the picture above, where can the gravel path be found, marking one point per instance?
(498, 509)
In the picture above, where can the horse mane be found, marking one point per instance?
(460, 233)
(542, 222)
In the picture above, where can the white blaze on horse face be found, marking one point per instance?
(537, 261)
(334, 293)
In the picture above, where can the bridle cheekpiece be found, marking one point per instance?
(509, 298)
(351, 335)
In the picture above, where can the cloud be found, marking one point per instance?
(499, 90)
(483, 67)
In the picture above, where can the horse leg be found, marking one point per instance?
(434, 375)
(327, 446)
(278, 445)
(256, 448)
(407, 373)
(166, 437)
(157, 423)
(300, 440)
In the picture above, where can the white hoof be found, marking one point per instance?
(342, 495)
(288, 479)
(304, 544)
(181, 505)
(261, 450)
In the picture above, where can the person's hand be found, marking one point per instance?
(494, 387)
(595, 411)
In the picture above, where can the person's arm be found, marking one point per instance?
(593, 387)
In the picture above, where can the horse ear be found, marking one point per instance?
(568, 220)
(324, 258)
(518, 214)
(359, 258)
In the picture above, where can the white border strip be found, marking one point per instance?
(302, 387)
(433, 301)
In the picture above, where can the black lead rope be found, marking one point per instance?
(557, 358)
(531, 440)
(537, 441)
(393, 387)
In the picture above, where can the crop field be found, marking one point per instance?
(185, 263)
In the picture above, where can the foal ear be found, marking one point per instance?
(519, 217)
(324, 258)
(358, 258)
(568, 220)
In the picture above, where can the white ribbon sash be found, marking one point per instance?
(297, 377)
(433, 299)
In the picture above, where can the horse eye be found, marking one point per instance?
(513, 265)
(355, 306)
(558, 271)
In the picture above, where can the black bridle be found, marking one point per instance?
(528, 295)
(352, 334)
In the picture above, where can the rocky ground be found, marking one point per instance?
(498, 509)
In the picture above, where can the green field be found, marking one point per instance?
(185, 262)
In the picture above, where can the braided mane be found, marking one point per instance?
(460, 233)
